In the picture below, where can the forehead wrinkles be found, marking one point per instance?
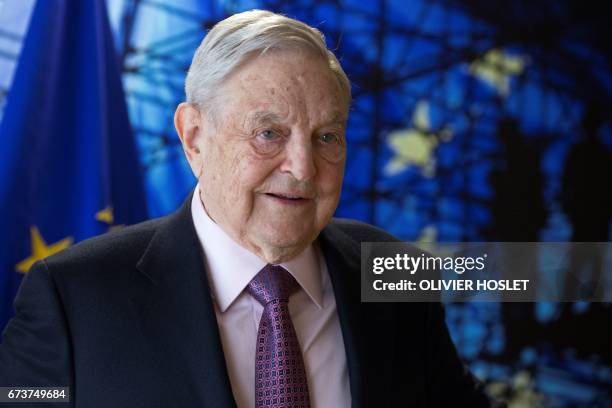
(304, 99)
(297, 91)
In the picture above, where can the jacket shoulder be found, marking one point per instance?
(360, 231)
(117, 248)
(345, 236)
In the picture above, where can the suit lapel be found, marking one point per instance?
(343, 265)
(363, 325)
(171, 299)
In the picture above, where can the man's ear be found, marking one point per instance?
(188, 126)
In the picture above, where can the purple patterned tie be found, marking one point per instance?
(280, 377)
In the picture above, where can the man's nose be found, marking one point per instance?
(299, 160)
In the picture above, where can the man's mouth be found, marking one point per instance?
(288, 198)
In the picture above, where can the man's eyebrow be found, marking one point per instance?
(270, 117)
(336, 118)
(263, 117)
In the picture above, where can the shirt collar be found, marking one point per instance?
(231, 267)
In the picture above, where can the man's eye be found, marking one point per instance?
(328, 138)
(268, 135)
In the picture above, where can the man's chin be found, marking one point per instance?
(278, 248)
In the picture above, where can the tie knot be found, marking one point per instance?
(273, 282)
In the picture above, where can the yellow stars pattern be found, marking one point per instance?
(41, 250)
(415, 146)
(496, 68)
(429, 234)
(106, 215)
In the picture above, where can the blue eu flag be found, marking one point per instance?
(68, 168)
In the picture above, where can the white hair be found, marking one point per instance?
(233, 40)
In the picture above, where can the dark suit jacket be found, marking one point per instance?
(126, 320)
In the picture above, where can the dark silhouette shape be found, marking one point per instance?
(518, 214)
(586, 198)
(518, 208)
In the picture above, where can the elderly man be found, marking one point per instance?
(249, 295)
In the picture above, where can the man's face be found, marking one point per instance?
(272, 158)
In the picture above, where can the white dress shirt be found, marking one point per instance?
(230, 267)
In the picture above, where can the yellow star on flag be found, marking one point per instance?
(41, 250)
(106, 215)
